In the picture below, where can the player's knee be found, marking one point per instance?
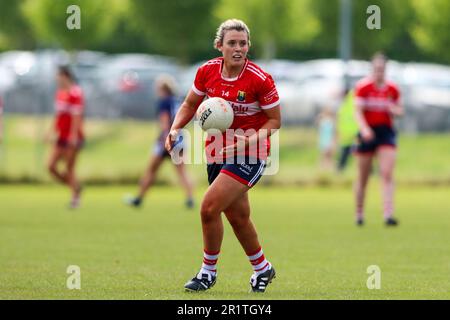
(386, 175)
(51, 167)
(70, 165)
(208, 211)
(152, 169)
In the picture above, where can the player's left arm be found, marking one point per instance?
(270, 105)
(77, 118)
(164, 124)
(272, 124)
(396, 107)
(164, 121)
(164, 111)
(75, 128)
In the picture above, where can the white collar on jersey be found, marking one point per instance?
(235, 78)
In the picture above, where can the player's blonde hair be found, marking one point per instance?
(230, 24)
(167, 82)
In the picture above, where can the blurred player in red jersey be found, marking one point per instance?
(377, 101)
(254, 98)
(68, 129)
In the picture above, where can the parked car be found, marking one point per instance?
(427, 97)
(310, 86)
(127, 83)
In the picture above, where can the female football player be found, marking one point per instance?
(167, 103)
(236, 167)
(68, 129)
(377, 102)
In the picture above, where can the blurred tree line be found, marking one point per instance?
(294, 29)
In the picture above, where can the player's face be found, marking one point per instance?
(234, 47)
(379, 67)
(161, 91)
(61, 80)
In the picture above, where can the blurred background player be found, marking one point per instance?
(346, 130)
(67, 133)
(254, 98)
(327, 137)
(377, 101)
(167, 106)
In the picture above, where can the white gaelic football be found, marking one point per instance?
(215, 113)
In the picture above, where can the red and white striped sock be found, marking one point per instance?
(388, 199)
(258, 261)
(209, 262)
(360, 195)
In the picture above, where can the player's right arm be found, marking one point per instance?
(366, 132)
(185, 113)
(396, 107)
(77, 110)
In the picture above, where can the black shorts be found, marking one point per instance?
(247, 171)
(64, 143)
(384, 136)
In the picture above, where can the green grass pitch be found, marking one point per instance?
(307, 233)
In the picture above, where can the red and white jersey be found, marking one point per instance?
(251, 92)
(375, 101)
(67, 104)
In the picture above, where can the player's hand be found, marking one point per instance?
(238, 146)
(73, 141)
(395, 110)
(170, 140)
(367, 134)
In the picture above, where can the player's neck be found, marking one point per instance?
(231, 71)
(66, 86)
(379, 83)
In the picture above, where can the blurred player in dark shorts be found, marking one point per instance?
(377, 102)
(167, 105)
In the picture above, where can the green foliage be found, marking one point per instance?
(431, 28)
(15, 31)
(394, 26)
(48, 18)
(179, 28)
(395, 17)
(273, 24)
(295, 29)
